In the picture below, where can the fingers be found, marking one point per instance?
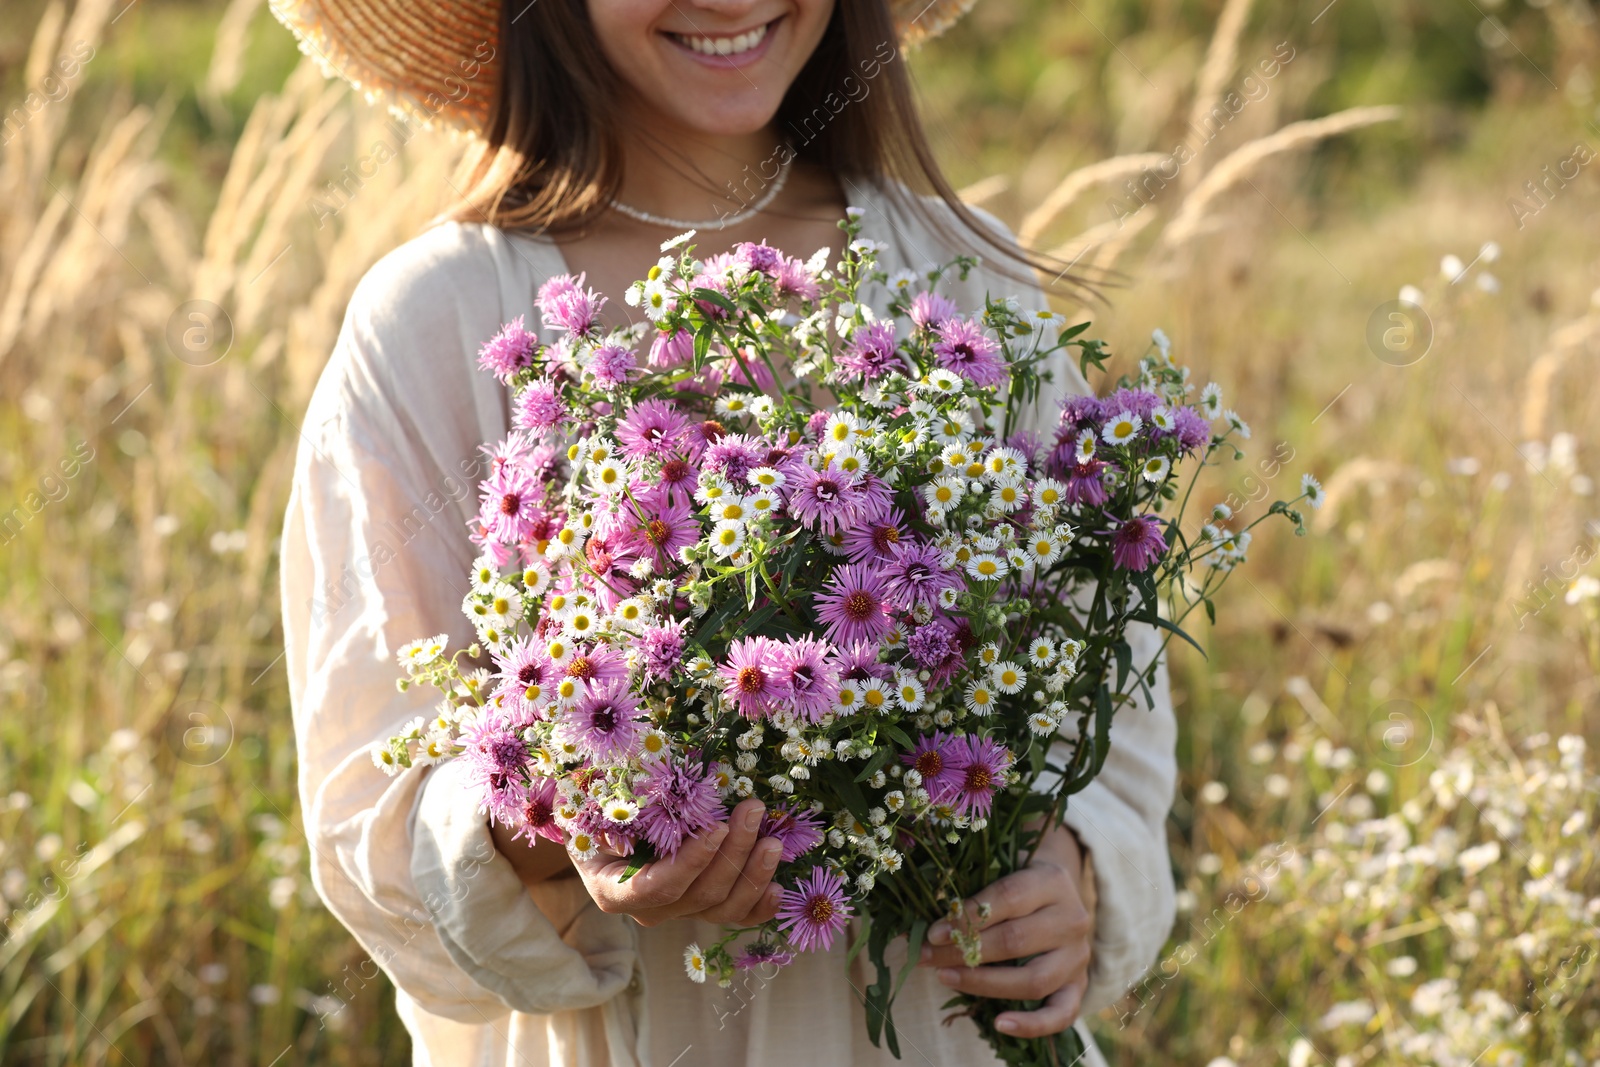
(1059, 1011)
(752, 891)
(661, 883)
(714, 884)
(1052, 927)
(1011, 897)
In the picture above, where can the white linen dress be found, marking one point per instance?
(375, 553)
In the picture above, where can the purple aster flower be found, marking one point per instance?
(512, 451)
(605, 724)
(824, 500)
(1139, 401)
(810, 677)
(679, 801)
(930, 757)
(1193, 431)
(1138, 543)
(930, 310)
(859, 661)
(852, 606)
(754, 676)
(1084, 484)
(761, 954)
(598, 665)
(877, 539)
(479, 535)
(759, 257)
(539, 812)
(734, 456)
(913, 577)
(871, 352)
(797, 830)
(661, 648)
(652, 428)
(671, 348)
(963, 348)
(814, 911)
(671, 528)
(674, 482)
(977, 767)
(510, 504)
(815, 424)
(610, 365)
(539, 407)
(932, 644)
(497, 768)
(510, 350)
(567, 305)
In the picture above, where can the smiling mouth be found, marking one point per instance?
(727, 45)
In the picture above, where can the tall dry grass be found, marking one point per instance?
(151, 862)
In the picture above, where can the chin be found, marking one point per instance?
(715, 122)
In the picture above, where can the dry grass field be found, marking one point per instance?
(1385, 831)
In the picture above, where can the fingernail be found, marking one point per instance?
(940, 933)
(769, 856)
(927, 954)
(752, 819)
(718, 832)
(1007, 1025)
(949, 975)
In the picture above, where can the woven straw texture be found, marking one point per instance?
(435, 60)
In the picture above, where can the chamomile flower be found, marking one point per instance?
(1043, 724)
(656, 299)
(620, 810)
(1162, 419)
(729, 508)
(842, 428)
(767, 478)
(951, 428)
(1047, 492)
(1211, 401)
(908, 692)
(762, 407)
(1087, 443)
(583, 846)
(484, 574)
(727, 537)
(560, 651)
(1312, 489)
(1008, 495)
(385, 759)
(940, 380)
(1121, 428)
(1008, 677)
(424, 653)
(987, 567)
(581, 622)
(875, 694)
(535, 580)
(1042, 652)
(1238, 425)
(631, 612)
(848, 700)
(694, 963)
(1155, 468)
(989, 654)
(732, 404)
(945, 492)
(608, 475)
(712, 487)
(1044, 548)
(980, 698)
(1004, 463)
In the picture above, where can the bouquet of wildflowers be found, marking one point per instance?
(799, 551)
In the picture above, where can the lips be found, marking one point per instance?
(726, 50)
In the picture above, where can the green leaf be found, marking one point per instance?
(711, 296)
(913, 953)
(1168, 624)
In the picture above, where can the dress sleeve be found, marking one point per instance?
(374, 554)
(1121, 816)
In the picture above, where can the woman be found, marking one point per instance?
(603, 128)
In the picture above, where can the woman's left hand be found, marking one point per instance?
(1038, 911)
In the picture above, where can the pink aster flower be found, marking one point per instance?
(610, 365)
(497, 764)
(526, 679)
(977, 766)
(859, 661)
(652, 428)
(806, 669)
(510, 504)
(734, 456)
(1192, 430)
(814, 911)
(872, 352)
(1138, 543)
(963, 348)
(754, 675)
(1085, 484)
(510, 350)
(671, 348)
(674, 482)
(671, 528)
(661, 648)
(680, 800)
(539, 812)
(605, 724)
(538, 408)
(795, 280)
(797, 830)
(566, 304)
(597, 665)
(930, 310)
(824, 500)
(930, 757)
(759, 257)
(852, 605)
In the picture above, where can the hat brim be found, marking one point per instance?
(435, 61)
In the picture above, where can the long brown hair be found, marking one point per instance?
(549, 161)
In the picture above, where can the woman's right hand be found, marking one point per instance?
(724, 876)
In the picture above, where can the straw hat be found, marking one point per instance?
(435, 60)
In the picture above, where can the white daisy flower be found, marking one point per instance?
(940, 380)
(621, 810)
(1043, 724)
(385, 760)
(987, 567)
(732, 404)
(560, 651)
(1121, 428)
(1042, 652)
(694, 963)
(1312, 490)
(583, 846)
(1047, 492)
(841, 429)
(657, 300)
(667, 246)
(945, 492)
(1161, 418)
(1239, 426)
(1008, 495)
(608, 474)
(848, 701)
(767, 478)
(1008, 677)
(1087, 443)
(980, 699)
(535, 580)
(484, 574)
(1155, 468)
(419, 654)
(908, 692)
(1211, 401)
(631, 612)
(726, 538)
(875, 694)
(729, 508)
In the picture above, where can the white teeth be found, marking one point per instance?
(724, 46)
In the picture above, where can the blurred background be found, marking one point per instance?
(1376, 224)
